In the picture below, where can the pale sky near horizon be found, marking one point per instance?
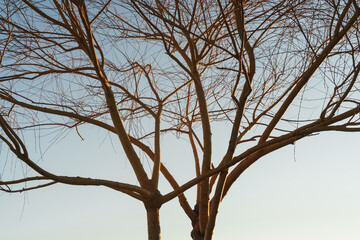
(308, 191)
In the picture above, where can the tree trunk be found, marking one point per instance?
(153, 222)
(196, 233)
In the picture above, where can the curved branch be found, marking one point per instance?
(27, 189)
(265, 147)
(305, 77)
(20, 151)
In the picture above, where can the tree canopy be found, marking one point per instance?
(270, 72)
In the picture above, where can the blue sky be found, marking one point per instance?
(309, 190)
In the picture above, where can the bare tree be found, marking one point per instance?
(274, 71)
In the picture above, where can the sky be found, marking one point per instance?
(310, 190)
